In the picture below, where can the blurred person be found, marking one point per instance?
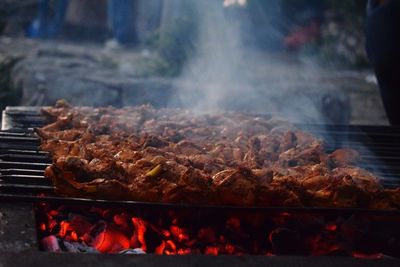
(121, 21)
(383, 49)
(51, 17)
(304, 22)
(49, 20)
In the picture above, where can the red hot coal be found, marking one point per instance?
(217, 232)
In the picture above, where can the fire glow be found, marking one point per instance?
(185, 232)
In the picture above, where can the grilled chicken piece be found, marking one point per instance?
(236, 186)
(67, 135)
(316, 183)
(61, 123)
(357, 177)
(393, 195)
(344, 157)
(187, 148)
(300, 156)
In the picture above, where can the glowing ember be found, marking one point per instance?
(137, 239)
(216, 233)
(369, 257)
(331, 227)
(211, 251)
(110, 240)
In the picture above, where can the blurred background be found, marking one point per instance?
(301, 59)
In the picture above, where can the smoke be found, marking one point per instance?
(228, 72)
(214, 70)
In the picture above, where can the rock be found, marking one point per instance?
(8, 95)
(84, 75)
(156, 92)
(45, 80)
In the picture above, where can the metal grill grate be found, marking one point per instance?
(22, 164)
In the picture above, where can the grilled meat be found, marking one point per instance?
(174, 156)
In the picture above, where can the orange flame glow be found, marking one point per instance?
(138, 238)
(110, 241)
(172, 234)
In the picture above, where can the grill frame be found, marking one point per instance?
(24, 181)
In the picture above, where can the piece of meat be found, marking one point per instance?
(343, 157)
(236, 186)
(357, 177)
(299, 156)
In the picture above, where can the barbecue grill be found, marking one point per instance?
(22, 165)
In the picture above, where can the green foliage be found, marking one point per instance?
(175, 41)
(178, 44)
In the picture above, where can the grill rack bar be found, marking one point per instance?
(23, 179)
(162, 206)
(23, 165)
(27, 172)
(25, 158)
(17, 189)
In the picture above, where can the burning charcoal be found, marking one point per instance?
(179, 233)
(382, 236)
(50, 244)
(121, 221)
(170, 247)
(79, 223)
(138, 238)
(328, 244)
(211, 251)
(287, 242)
(153, 238)
(353, 229)
(136, 251)
(206, 235)
(75, 247)
(108, 240)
